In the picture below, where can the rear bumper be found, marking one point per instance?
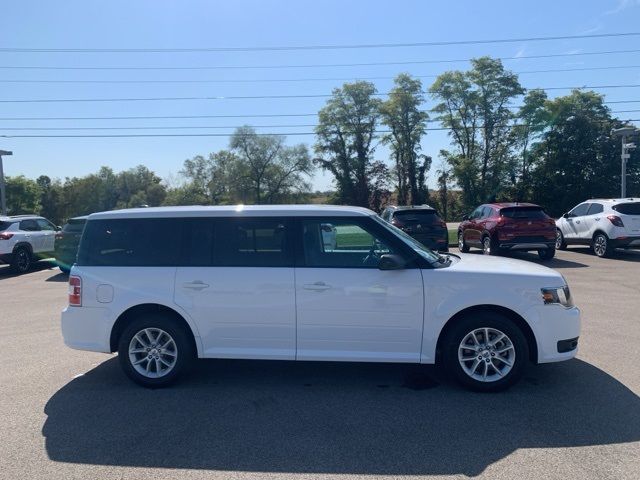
(627, 242)
(524, 245)
(87, 328)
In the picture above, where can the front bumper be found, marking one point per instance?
(87, 328)
(556, 328)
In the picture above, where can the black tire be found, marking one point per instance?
(184, 350)
(490, 320)
(560, 243)
(489, 246)
(462, 245)
(21, 261)
(547, 253)
(601, 246)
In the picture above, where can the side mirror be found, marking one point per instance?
(58, 228)
(391, 261)
(466, 218)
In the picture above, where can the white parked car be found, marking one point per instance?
(162, 286)
(603, 224)
(25, 239)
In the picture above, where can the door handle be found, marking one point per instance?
(317, 286)
(196, 285)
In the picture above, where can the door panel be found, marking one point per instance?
(240, 312)
(348, 309)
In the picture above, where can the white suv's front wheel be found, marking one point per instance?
(486, 352)
(154, 350)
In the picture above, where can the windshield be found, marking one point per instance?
(423, 251)
(74, 226)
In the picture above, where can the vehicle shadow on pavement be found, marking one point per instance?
(261, 416)
(6, 272)
(620, 254)
(533, 257)
(58, 277)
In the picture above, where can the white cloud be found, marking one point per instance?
(623, 5)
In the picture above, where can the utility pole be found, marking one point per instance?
(3, 199)
(624, 133)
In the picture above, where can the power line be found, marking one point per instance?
(258, 97)
(317, 47)
(189, 127)
(266, 115)
(144, 135)
(312, 65)
(284, 80)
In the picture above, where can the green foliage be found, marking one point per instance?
(345, 145)
(403, 115)
(23, 195)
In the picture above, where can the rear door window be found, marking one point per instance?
(595, 208)
(29, 226)
(253, 243)
(523, 212)
(5, 225)
(627, 208)
(580, 210)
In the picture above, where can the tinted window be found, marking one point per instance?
(477, 213)
(74, 226)
(409, 217)
(5, 225)
(198, 242)
(341, 244)
(45, 225)
(595, 208)
(29, 226)
(523, 212)
(487, 212)
(145, 242)
(252, 243)
(625, 208)
(580, 210)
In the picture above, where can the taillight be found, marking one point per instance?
(397, 223)
(75, 291)
(616, 220)
(5, 235)
(59, 236)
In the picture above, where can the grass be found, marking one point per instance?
(453, 237)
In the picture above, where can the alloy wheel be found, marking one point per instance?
(23, 262)
(558, 240)
(600, 245)
(486, 246)
(486, 354)
(153, 352)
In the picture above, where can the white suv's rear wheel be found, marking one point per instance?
(486, 352)
(21, 262)
(154, 350)
(601, 246)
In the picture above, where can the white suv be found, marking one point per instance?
(162, 286)
(602, 224)
(25, 239)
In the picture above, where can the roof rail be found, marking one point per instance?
(24, 215)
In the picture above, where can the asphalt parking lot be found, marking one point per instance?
(70, 414)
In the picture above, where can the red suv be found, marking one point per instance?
(498, 227)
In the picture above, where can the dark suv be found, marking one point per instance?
(422, 222)
(498, 227)
(67, 242)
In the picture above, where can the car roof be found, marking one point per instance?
(23, 217)
(236, 211)
(614, 200)
(512, 205)
(411, 207)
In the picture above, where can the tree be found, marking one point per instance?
(346, 133)
(576, 157)
(23, 195)
(407, 122)
(474, 105)
(51, 205)
(214, 178)
(272, 170)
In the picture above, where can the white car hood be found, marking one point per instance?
(484, 264)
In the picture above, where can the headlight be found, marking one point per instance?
(559, 296)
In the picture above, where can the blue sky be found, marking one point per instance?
(184, 24)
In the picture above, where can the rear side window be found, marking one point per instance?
(426, 217)
(5, 225)
(523, 212)
(253, 243)
(143, 242)
(625, 208)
